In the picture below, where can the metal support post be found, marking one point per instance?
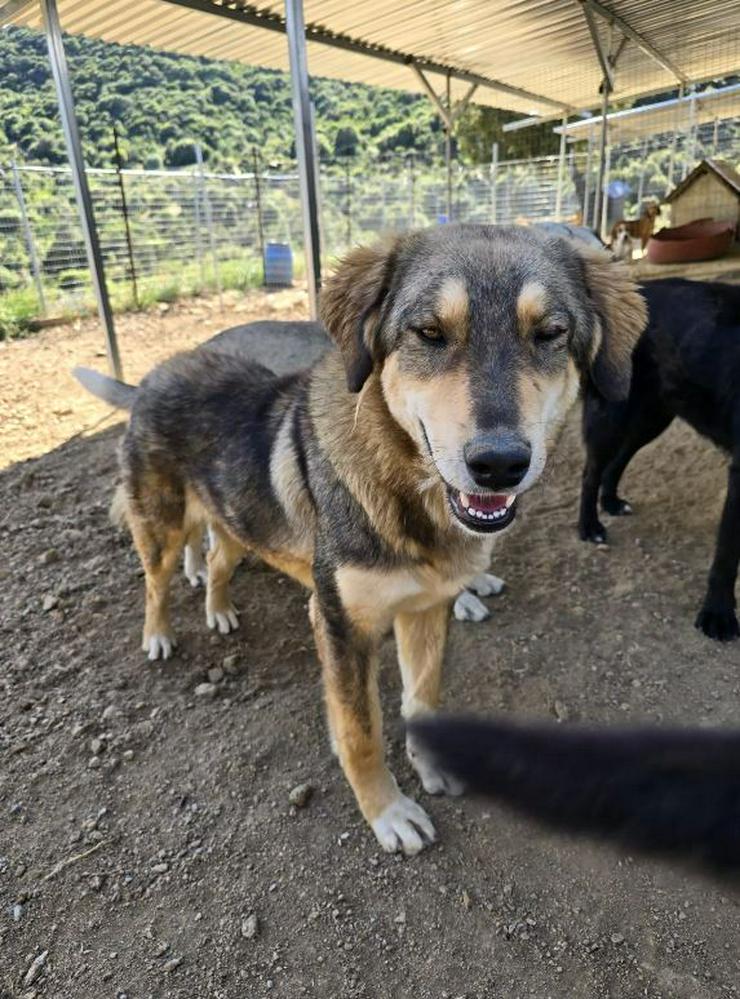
(304, 141)
(448, 147)
(28, 235)
(60, 73)
(494, 182)
(561, 169)
(599, 220)
(604, 230)
(209, 224)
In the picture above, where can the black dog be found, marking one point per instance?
(665, 791)
(687, 364)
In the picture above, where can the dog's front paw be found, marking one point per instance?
(158, 646)
(719, 623)
(468, 607)
(433, 780)
(225, 619)
(485, 584)
(616, 507)
(403, 826)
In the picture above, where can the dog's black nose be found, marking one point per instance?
(498, 460)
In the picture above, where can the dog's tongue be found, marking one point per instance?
(487, 503)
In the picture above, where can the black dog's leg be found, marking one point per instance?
(604, 425)
(652, 423)
(717, 618)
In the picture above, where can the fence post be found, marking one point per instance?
(587, 179)
(561, 169)
(715, 137)
(494, 182)
(124, 208)
(412, 182)
(209, 223)
(28, 234)
(198, 222)
(348, 191)
(641, 182)
(605, 196)
(258, 199)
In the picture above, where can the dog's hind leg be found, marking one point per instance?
(420, 640)
(717, 618)
(223, 557)
(195, 568)
(349, 664)
(159, 548)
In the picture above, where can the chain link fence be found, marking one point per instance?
(192, 230)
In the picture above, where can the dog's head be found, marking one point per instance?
(481, 336)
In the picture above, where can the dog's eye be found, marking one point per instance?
(429, 333)
(551, 331)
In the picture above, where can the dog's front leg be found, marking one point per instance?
(717, 618)
(420, 641)
(348, 657)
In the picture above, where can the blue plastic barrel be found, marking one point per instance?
(278, 265)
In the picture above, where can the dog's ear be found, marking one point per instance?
(621, 314)
(351, 301)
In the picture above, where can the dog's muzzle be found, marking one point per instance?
(485, 513)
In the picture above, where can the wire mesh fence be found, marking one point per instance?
(193, 230)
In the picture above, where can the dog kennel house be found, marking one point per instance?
(710, 191)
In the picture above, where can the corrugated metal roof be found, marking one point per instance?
(540, 46)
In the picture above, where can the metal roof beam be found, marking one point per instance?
(249, 14)
(642, 43)
(607, 71)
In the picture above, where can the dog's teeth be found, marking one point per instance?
(464, 500)
(510, 500)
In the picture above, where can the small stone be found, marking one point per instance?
(215, 674)
(16, 911)
(94, 762)
(173, 963)
(19, 870)
(466, 901)
(109, 712)
(128, 754)
(250, 926)
(50, 602)
(96, 746)
(561, 711)
(96, 882)
(617, 939)
(35, 967)
(400, 918)
(300, 795)
(230, 664)
(161, 949)
(160, 868)
(205, 690)
(50, 556)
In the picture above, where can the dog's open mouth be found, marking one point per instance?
(484, 512)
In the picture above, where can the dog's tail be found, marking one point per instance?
(659, 790)
(110, 390)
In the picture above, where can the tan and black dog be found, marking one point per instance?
(379, 477)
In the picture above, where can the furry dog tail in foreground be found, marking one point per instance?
(661, 790)
(110, 390)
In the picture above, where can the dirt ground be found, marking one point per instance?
(148, 845)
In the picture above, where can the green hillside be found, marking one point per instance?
(163, 103)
